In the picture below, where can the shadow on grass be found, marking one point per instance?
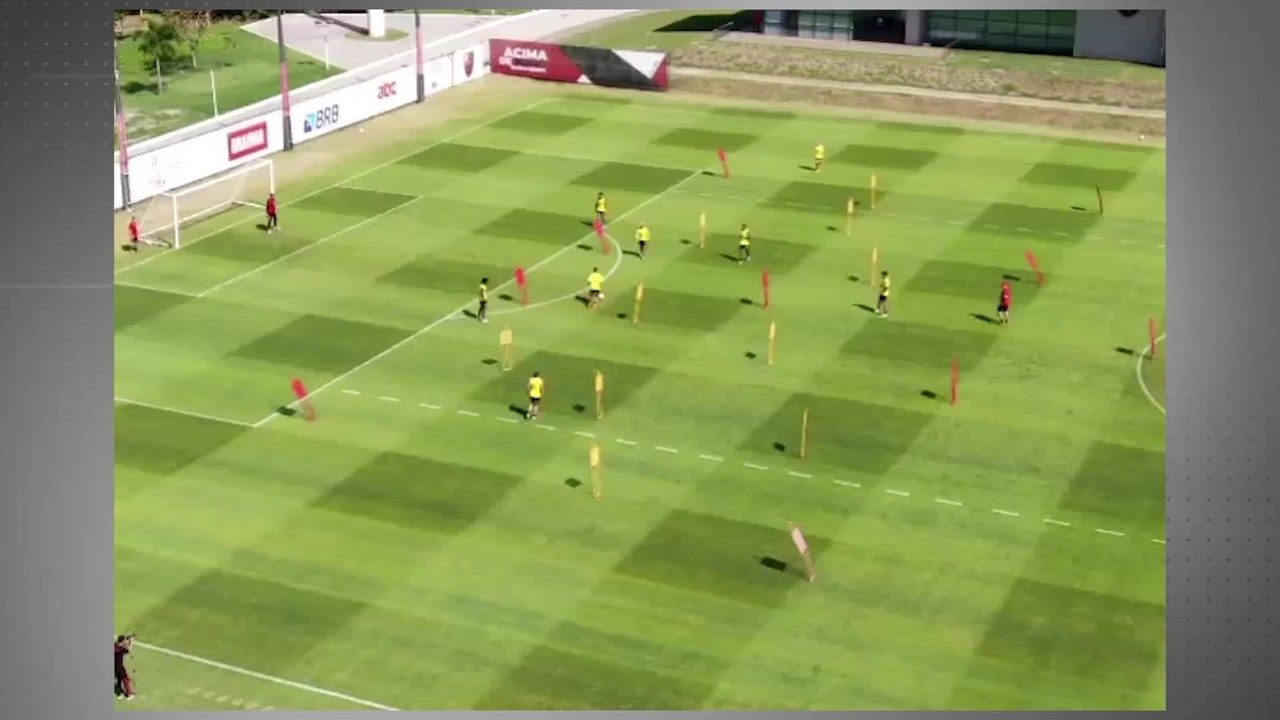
(864, 306)
(928, 394)
(1126, 351)
(573, 483)
(983, 318)
(516, 409)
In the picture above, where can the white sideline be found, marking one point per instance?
(344, 181)
(189, 413)
(436, 323)
(264, 677)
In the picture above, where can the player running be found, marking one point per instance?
(819, 155)
(482, 312)
(273, 219)
(744, 244)
(642, 238)
(882, 305)
(535, 387)
(595, 288)
(1006, 301)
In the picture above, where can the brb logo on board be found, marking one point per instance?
(386, 90)
(320, 119)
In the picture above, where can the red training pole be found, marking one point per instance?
(300, 390)
(724, 163)
(604, 241)
(1155, 332)
(1031, 258)
(523, 282)
(764, 281)
(955, 381)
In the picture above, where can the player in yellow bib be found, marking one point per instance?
(819, 155)
(642, 238)
(882, 305)
(595, 288)
(482, 313)
(536, 387)
(602, 208)
(744, 244)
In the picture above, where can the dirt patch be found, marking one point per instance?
(1092, 123)
(821, 64)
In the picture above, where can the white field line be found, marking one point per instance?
(264, 677)
(309, 246)
(1142, 382)
(189, 413)
(362, 173)
(617, 264)
(433, 325)
(156, 288)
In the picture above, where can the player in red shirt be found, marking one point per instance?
(1006, 300)
(273, 220)
(134, 232)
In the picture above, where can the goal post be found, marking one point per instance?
(169, 214)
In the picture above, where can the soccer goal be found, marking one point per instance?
(169, 213)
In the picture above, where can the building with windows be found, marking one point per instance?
(1133, 35)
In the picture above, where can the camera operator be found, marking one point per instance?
(124, 681)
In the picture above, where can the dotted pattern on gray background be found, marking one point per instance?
(1223, 372)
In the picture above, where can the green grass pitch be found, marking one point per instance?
(421, 546)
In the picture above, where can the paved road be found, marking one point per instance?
(444, 33)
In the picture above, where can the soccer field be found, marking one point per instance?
(422, 546)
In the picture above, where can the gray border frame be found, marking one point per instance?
(56, 368)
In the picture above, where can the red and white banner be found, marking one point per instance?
(632, 69)
(248, 141)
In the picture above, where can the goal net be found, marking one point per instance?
(170, 214)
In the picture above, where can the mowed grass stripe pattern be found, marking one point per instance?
(446, 561)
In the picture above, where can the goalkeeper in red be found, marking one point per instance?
(273, 219)
(1006, 301)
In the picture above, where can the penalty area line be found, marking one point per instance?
(263, 676)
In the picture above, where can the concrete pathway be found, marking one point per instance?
(348, 50)
(924, 92)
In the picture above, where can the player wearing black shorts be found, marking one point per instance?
(482, 313)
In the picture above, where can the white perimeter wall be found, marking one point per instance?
(176, 165)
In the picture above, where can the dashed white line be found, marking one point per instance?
(793, 473)
(1108, 532)
(712, 458)
(630, 443)
(468, 413)
(944, 501)
(1006, 513)
(549, 428)
(1158, 542)
(957, 223)
(754, 466)
(429, 406)
(512, 421)
(899, 493)
(661, 448)
(1059, 523)
(846, 483)
(388, 398)
(1025, 230)
(351, 392)
(922, 218)
(580, 433)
